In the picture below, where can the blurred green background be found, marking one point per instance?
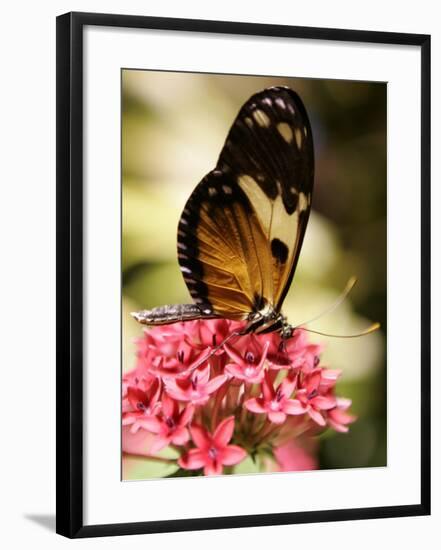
(173, 128)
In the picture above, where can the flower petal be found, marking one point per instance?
(200, 437)
(330, 375)
(136, 396)
(180, 436)
(254, 405)
(193, 460)
(215, 383)
(288, 385)
(129, 418)
(234, 369)
(341, 416)
(264, 354)
(267, 387)
(293, 406)
(234, 355)
(232, 454)
(202, 375)
(224, 432)
(169, 406)
(322, 402)
(186, 415)
(343, 403)
(151, 423)
(213, 468)
(313, 381)
(316, 416)
(277, 417)
(337, 427)
(175, 391)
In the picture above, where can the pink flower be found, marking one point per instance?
(210, 333)
(338, 418)
(212, 451)
(292, 457)
(248, 365)
(295, 352)
(164, 351)
(310, 400)
(141, 405)
(309, 352)
(328, 379)
(276, 403)
(175, 394)
(197, 388)
(135, 378)
(171, 427)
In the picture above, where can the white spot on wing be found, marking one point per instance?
(212, 191)
(261, 118)
(227, 189)
(275, 220)
(246, 180)
(280, 103)
(285, 131)
(249, 122)
(185, 269)
(257, 198)
(303, 202)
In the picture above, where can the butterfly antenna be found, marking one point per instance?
(372, 328)
(349, 286)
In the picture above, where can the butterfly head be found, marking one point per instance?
(269, 320)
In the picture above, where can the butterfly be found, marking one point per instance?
(242, 229)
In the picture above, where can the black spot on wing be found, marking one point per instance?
(279, 250)
(257, 148)
(291, 205)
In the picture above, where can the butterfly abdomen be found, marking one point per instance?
(164, 315)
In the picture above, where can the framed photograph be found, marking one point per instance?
(243, 289)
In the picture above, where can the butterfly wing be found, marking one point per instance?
(241, 231)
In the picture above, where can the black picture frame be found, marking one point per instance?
(70, 235)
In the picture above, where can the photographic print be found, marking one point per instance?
(254, 272)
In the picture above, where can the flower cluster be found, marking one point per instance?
(256, 396)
